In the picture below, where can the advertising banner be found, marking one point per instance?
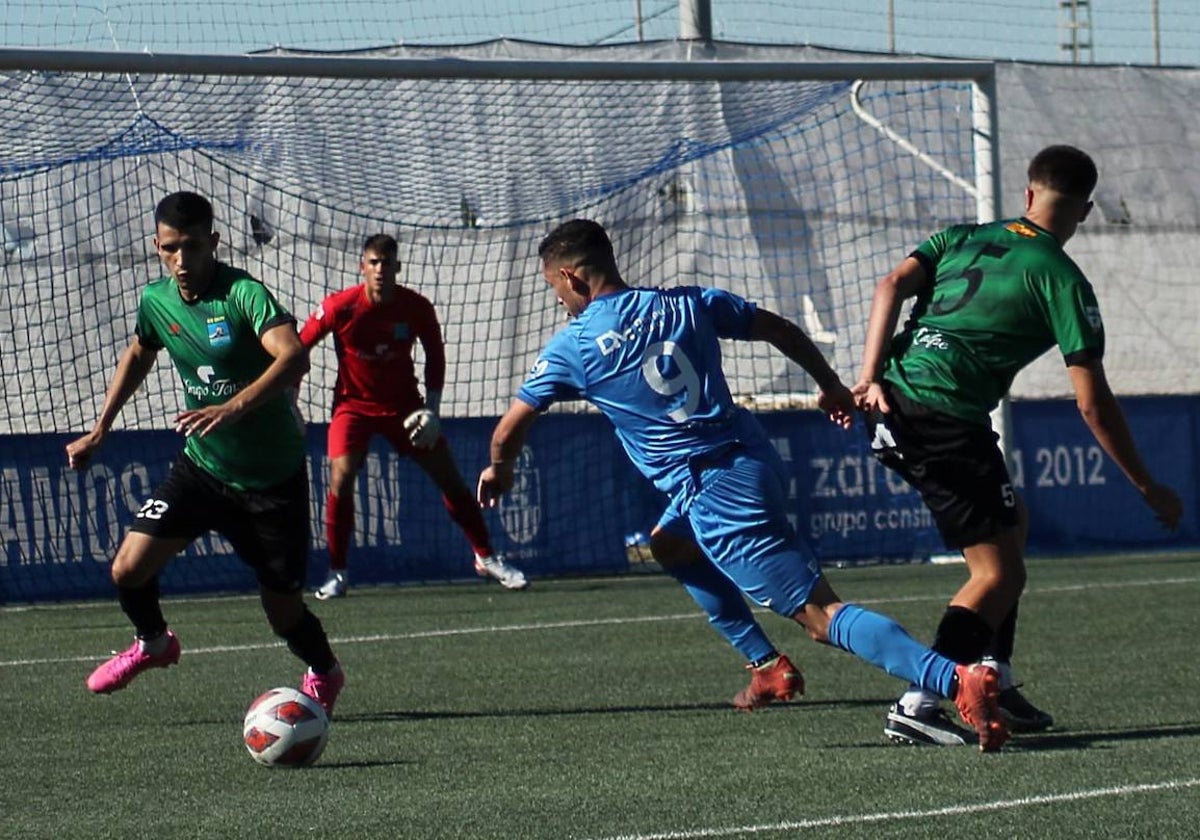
(577, 501)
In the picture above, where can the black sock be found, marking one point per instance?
(1001, 646)
(962, 635)
(140, 603)
(308, 641)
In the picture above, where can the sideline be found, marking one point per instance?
(560, 625)
(890, 816)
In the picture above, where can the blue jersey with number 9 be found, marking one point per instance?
(650, 360)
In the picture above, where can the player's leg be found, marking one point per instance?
(1022, 716)
(772, 675)
(346, 447)
(173, 516)
(740, 519)
(963, 480)
(880, 640)
(269, 529)
(459, 500)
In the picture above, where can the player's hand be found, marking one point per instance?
(201, 421)
(494, 482)
(81, 450)
(423, 428)
(838, 405)
(868, 396)
(1165, 503)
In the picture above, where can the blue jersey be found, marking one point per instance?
(650, 360)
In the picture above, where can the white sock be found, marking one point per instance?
(154, 647)
(919, 703)
(1004, 669)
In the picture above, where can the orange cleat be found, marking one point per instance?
(778, 680)
(976, 699)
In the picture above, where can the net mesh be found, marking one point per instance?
(777, 191)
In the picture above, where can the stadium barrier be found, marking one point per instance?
(577, 497)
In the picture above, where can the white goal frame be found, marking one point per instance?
(984, 187)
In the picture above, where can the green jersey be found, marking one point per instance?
(214, 343)
(1001, 295)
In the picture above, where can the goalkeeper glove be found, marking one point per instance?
(423, 428)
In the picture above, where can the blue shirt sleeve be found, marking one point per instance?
(731, 315)
(556, 375)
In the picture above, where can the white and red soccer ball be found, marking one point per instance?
(285, 728)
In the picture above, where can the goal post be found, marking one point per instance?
(756, 176)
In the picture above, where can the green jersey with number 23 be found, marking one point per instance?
(1001, 295)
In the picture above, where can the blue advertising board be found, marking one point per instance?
(577, 497)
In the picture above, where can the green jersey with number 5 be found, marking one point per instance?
(214, 343)
(1001, 294)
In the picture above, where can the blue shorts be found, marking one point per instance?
(738, 517)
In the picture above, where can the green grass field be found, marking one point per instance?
(598, 708)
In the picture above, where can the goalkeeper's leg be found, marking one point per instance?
(347, 449)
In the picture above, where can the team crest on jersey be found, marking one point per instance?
(539, 367)
(1092, 313)
(218, 331)
(400, 332)
(1021, 229)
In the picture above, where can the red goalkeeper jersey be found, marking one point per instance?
(374, 345)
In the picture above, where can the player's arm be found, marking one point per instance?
(835, 398)
(315, 328)
(1106, 420)
(423, 426)
(508, 439)
(132, 369)
(903, 282)
(434, 347)
(289, 363)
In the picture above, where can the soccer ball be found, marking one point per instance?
(285, 728)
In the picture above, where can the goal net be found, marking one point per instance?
(796, 193)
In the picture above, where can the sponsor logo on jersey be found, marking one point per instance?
(932, 339)
(400, 332)
(218, 332)
(1021, 229)
(210, 386)
(539, 367)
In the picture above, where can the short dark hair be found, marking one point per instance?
(184, 210)
(382, 244)
(1066, 170)
(581, 241)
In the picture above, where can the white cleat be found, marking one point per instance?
(510, 577)
(335, 587)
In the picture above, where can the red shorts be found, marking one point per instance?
(350, 431)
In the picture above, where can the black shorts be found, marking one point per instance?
(956, 466)
(269, 529)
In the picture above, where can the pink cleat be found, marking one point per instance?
(119, 671)
(324, 688)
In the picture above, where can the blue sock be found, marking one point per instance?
(727, 610)
(884, 643)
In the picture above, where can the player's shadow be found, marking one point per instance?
(798, 706)
(1097, 738)
(356, 765)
